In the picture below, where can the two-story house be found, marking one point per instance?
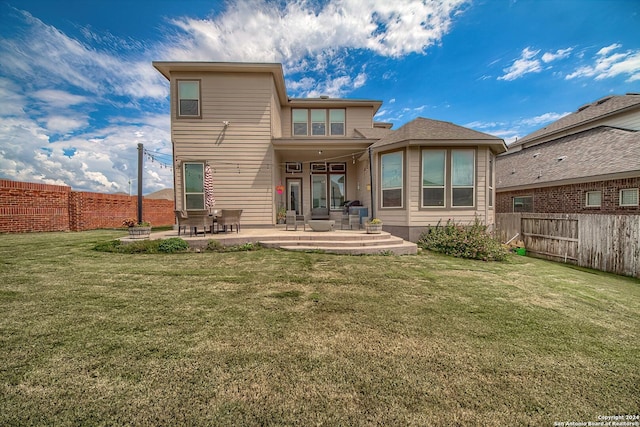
(267, 151)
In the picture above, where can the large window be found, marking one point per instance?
(462, 177)
(629, 197)
(433, 177)
(440, 189)
(491, 159)
(194, 186)
(188, 98)
(391, 174)
(323, 122)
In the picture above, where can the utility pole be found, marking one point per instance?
(140, 166)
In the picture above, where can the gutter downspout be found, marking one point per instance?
(373, 202)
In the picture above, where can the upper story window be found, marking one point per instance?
(318, 122)
(189, 98)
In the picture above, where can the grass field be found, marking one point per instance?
(280, 338)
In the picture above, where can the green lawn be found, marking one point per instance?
(281, 338)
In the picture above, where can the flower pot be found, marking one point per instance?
(139, 232)
(374, 228)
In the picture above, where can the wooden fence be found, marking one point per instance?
(603, 242)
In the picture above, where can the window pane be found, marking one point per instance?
(629, 197)
(319, 116)
(337, 128)
(337, 191)
(392, 198)
(433, 168)
(300, 129)
(523, 204)
(462, 197)
(391, 170)
(319, 191)
(188, 90)
(462, 168)
(594, 198)
(336, 115)
(188, 107)
(318, 129)
(194, 177)
(433, 196)
(194, 201)
(300, 116)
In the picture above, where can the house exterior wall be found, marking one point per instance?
(410, 221)
(572, 198)
(240, 156)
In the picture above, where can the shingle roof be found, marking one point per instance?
(421, 129)
(595, 152)
(596, 110)
(374, 133)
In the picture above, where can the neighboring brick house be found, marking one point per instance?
(586, 162)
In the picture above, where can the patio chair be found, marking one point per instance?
(229, 217)
(195, 222)
(293, 219)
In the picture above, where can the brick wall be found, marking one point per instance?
(572, 198)
(30, 207)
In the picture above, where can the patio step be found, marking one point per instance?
(355, 244)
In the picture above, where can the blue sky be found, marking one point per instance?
(79, 91)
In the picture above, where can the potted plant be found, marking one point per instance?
(281, 215)
(374, 226)
(137, 230)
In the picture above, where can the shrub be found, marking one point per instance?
(473, 242)
(216, 246)
(172, 245)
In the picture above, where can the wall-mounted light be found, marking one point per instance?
(226, 123)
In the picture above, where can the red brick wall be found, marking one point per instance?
(26, 206)
(572, 198)
(29, 207)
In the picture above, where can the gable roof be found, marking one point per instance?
(421, 130)
(590, 155)
(597, 110)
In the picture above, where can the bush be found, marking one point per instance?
(473, 242)
(216, 246)
(172, 245)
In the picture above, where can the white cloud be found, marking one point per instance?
(524, 65)
(543, 119)
(58, 98)
(64, 124)
(529, 63)
(608, 64)
(559, 54)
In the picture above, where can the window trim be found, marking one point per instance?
(310, 122)
(513, 204)
(184, 187)
(444, 185)
(473, 177)
(402, 183)
(179, 115)
(586, 199)
(293, 167)
(626, 204)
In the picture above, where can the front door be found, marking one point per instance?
(294, 195)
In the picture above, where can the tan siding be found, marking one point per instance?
(241, 156)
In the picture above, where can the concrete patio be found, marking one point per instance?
(354, 242)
